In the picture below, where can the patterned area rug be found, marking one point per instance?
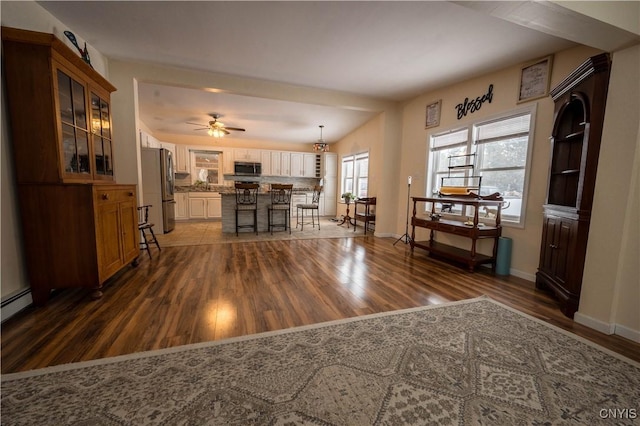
(470, 362)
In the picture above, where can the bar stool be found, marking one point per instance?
(143, 226)
(247, 201)
(301, 208)
(280, 202)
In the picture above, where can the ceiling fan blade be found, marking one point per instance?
(202, 128)
(197, 124)
(235, 128)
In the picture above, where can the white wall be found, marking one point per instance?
(611, 283)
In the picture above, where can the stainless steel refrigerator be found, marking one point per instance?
(158, 187)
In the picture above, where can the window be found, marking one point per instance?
(205, 167)
(355, 174)
(499, 151)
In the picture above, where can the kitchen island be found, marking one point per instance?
(264, 200)
(229, 213)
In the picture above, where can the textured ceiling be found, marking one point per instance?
(383, 50)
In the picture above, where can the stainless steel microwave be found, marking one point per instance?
(247, 169)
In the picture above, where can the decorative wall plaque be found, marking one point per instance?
(433, 114)
(534, 79)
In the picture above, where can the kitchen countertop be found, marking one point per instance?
(230, 190)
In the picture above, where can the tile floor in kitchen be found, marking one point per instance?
(210, 232)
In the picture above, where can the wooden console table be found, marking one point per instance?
(367, 215)
(474, 229)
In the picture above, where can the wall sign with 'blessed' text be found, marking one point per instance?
(473, 105)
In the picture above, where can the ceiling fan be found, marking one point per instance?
(216, 128)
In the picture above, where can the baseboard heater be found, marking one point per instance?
(15, 303)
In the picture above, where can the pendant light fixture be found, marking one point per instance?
(321, 145)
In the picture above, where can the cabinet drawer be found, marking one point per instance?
(113, 195)
(203, 194)
(465, 231)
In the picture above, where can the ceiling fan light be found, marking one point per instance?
(217, 133)
(210, 132)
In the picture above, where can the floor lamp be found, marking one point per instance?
(406, 236)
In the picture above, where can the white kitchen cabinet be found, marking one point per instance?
(310, 165)
(265, 159)
(148, 141)
(303, 165)
(242, 154)
(329, 195)
(296, 164)
(171, 148)
(227, 161)
(272, 163)
(330, 165)
(285, 164)
(276, 163)
(205, 205)
(329, 184)
(182, 205)
(214, 208)
(197, 208)
(182, 159)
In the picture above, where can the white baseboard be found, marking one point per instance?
(15, 303)
(607, 328)
(601, 326)
(386, 235)
(524, 275)
(627, 333)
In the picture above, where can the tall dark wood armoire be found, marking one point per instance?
(575, 145)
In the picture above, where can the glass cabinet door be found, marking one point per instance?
(73, 118)
(101, 133)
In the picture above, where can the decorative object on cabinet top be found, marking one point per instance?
(46, 39)
(84, 53)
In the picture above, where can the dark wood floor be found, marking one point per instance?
(201, 293)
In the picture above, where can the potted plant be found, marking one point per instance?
(347, 196)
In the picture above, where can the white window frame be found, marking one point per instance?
(355, 176)
(194, 169)
(470, 146)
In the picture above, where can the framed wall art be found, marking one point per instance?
(433, 114)
(534, 79)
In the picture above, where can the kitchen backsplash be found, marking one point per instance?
(184, 183)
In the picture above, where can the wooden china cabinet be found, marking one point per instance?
(78, 226)
(575, 145)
